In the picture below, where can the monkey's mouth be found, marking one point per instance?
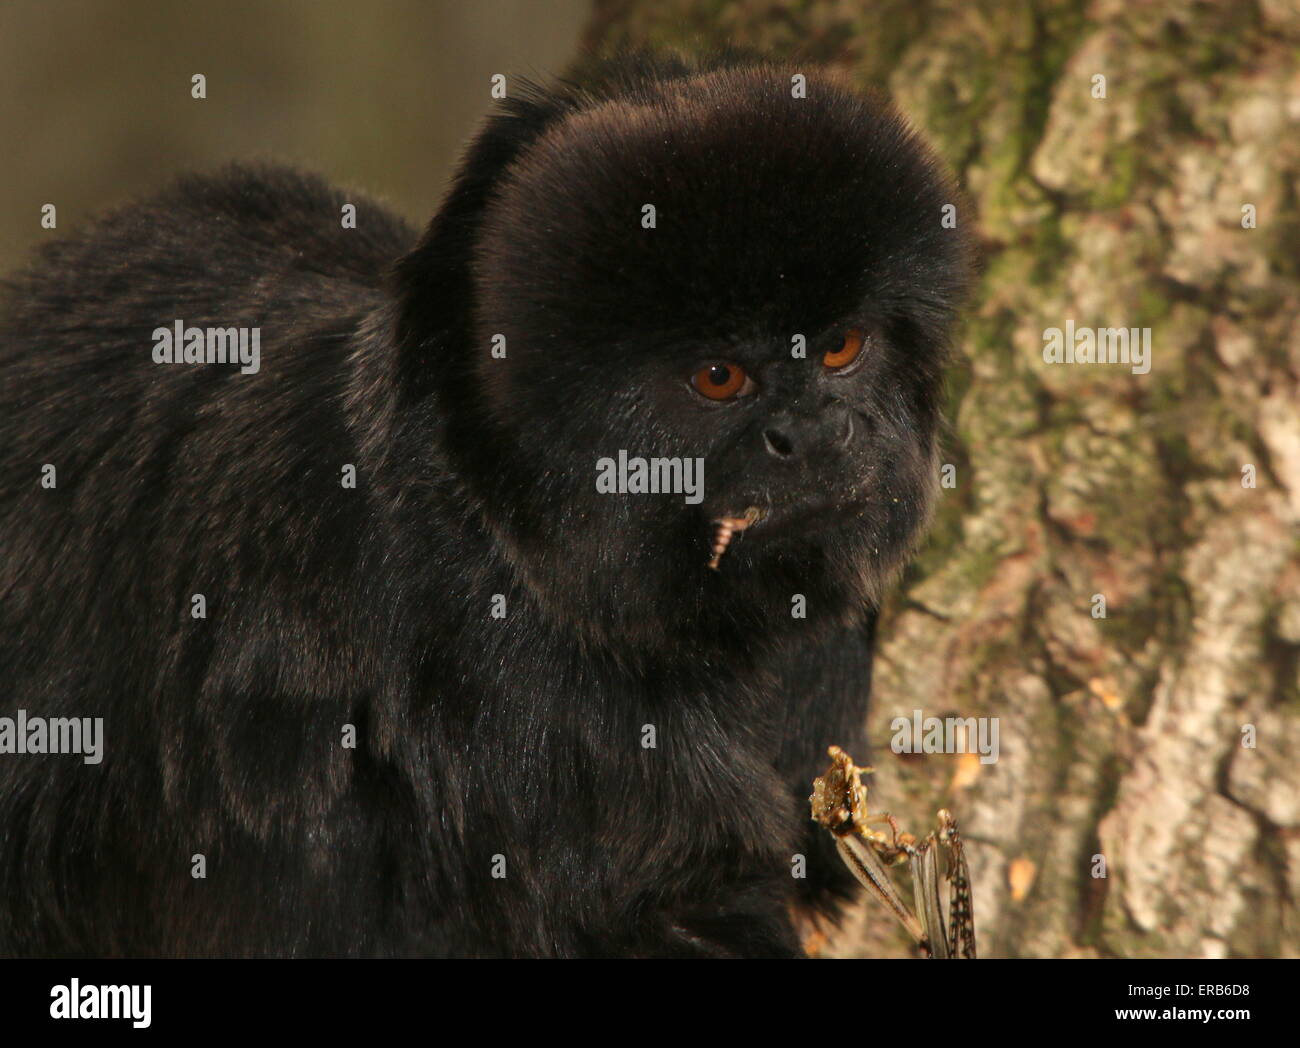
(793, 519)
(726, 526)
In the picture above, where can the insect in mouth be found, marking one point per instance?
(839, 803)
(725, 527)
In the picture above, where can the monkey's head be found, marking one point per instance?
(727, 267)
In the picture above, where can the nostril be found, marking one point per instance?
(778, 443)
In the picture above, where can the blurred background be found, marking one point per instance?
(1147, 797)
(95, 94)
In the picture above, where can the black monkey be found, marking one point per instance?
(571, 736)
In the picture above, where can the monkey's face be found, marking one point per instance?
(721, 272)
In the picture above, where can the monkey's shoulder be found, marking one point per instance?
(206, 235)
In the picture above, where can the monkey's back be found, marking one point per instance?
(129, 489)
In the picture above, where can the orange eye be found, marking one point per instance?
(847, 353)
(721, 381)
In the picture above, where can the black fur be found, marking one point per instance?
(327, 606)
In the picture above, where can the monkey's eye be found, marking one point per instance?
(722, 381)
(840, 359)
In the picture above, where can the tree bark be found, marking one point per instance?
(1159, 745)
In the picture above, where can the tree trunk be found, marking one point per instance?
(1146, 800)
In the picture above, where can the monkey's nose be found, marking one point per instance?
(790, 437)
(778, 443)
